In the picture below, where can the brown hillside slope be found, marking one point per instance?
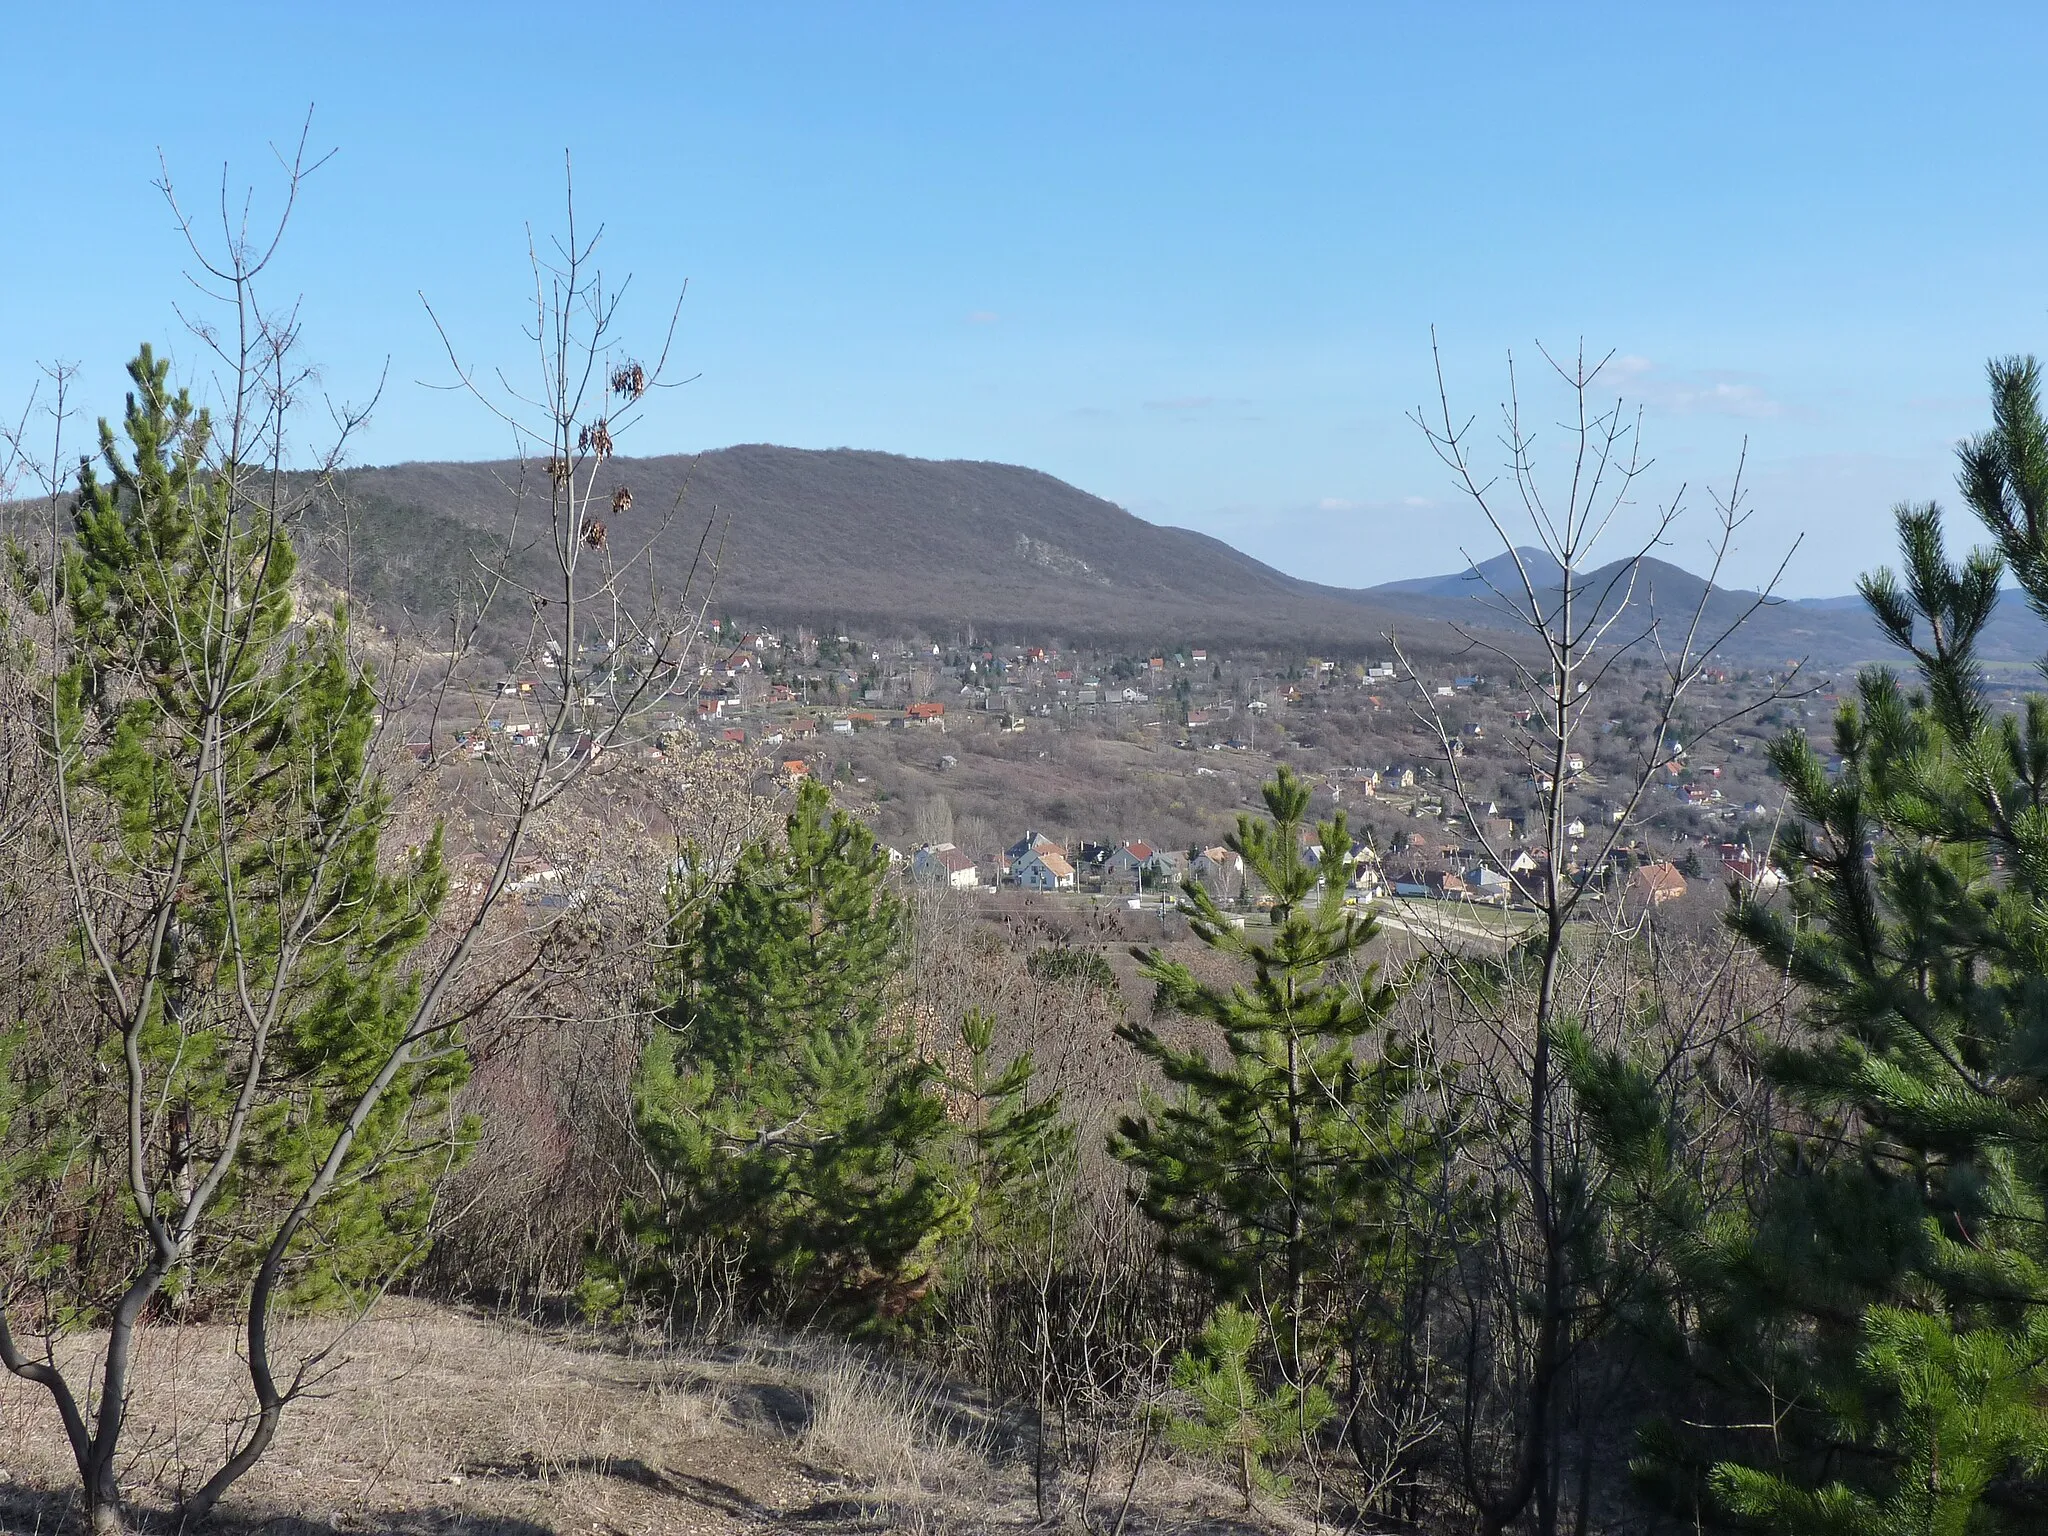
(432, 1422)
(882, 541)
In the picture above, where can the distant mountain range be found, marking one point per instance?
(884, 542)
(1827, 631)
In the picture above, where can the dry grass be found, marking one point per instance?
(439, 1421)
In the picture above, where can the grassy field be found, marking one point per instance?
(434, 1420)
(1455, 922)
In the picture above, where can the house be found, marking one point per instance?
(1758, 874)
(1220, 871)
(1445, 885)
(795, 771)
(1401, 778)
(1488, 884)
(924, 713)
(733, 666)
(1043, 870)
(1129, 867)
(842, 727)
(1533, 886)
(1657, 883)
(1366, 877)
(1031, 841)
(943, 862)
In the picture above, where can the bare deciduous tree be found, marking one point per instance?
(1533, 1305)
(283, 999)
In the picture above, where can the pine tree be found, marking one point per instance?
(1013, 1162)
(266, 1112)
(787, 1111)
(1276, 1173)
(1882, 1303)
(1014, 1144)
(166, 582)
(1234, 1417)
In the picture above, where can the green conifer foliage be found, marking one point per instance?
(190, 667)
(1872, 1325)
(266, 1113)
(1234, 1417)
(1276, 1173)
(785, 1107)
(1015, 1145)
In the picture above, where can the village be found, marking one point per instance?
(1132, 768)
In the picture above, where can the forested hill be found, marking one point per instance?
(888, 543)
(1826, 631)
(883, 541)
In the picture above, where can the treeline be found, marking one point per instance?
(1614, 1232)
(1611, 1232)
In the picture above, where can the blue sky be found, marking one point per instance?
(1185, 256)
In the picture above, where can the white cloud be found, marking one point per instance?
(1700, 392)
